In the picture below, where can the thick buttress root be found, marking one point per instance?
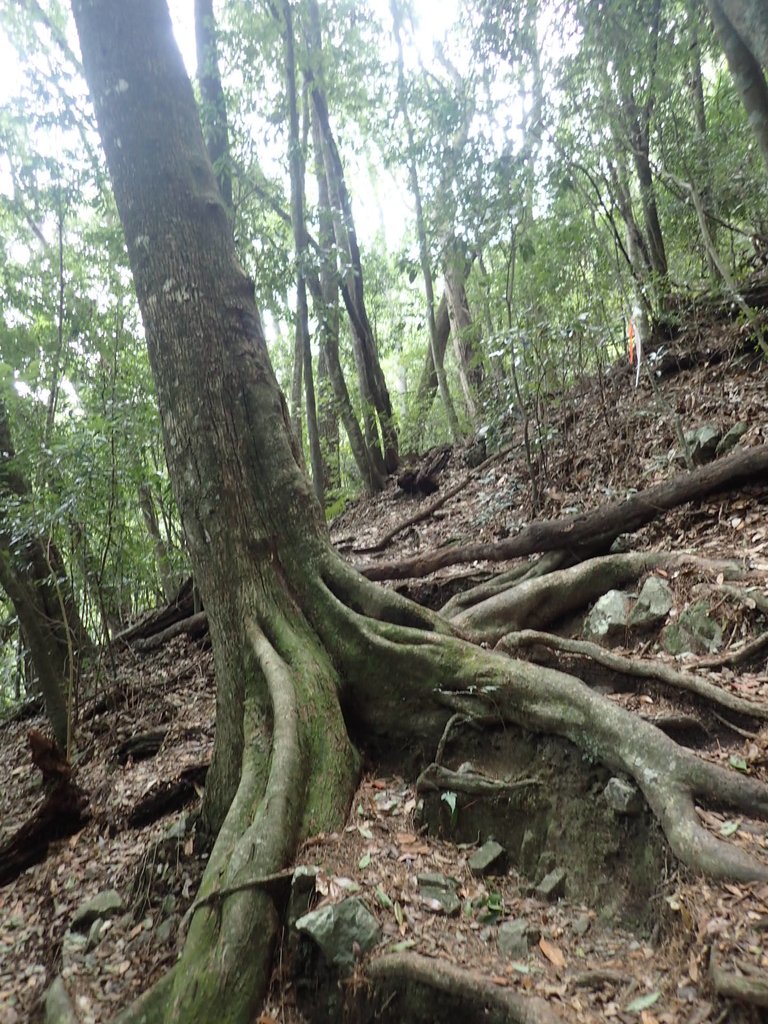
(397, 678)
(234, 923)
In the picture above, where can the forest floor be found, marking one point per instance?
(608, 438)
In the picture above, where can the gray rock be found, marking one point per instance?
(513, 938)
(731, 438)
(164, 931)
(608, 616)
(488, 859)
(104, 904)
(703, 442)
(73, 947)
(434, 880)
(58, 1005)
(623, 797)
(582, 924)
(94, 935)
(552, 886)
(694, 632)
(341, 931)
(653, 604)
(302, 890)
(443, 901)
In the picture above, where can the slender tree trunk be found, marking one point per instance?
(421, 232)
(747, 74)
(303, 353)
(373, 387)
(213, 101)
(162, 560)
(369, 466)
(465, 332)
(700, 119)
(33, 575)
(427, 386)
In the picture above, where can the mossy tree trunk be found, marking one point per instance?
(308, 653)
(33, 575)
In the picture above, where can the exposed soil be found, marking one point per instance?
(633, 937)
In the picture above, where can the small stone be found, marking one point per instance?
(94, 935)
(434, 880)
(104, 904)
(622, 797)
(552, 886)
(164, 931)
(302, 889)
(702, 443)
(487, 860)
(513, 938)
(608, 616)
(58, 1005)
(731, 438)
(581, 924)
(443, 901)
(653, 604)
(72, 948)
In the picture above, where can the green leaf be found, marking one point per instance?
(643, 1002)
(382, 899)
(400, 947)
(449, 797)
(729, 828)
(738, 763)
(364, 861)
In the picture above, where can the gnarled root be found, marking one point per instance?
(460, 994)
(398, 678)
(655, 670)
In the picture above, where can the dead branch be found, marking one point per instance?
(590, 530)
(418, 517)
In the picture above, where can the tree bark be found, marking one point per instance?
(33, 575)
(750, 19)
(374, 394)
(213, 101)
(747, 74)
(421, 233)
(303, 352)
(327, 312)
(162, 560)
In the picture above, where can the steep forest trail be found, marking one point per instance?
(636, 937)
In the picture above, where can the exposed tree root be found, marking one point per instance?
(503, 581)
(429, 670)
(656, 670)
(235, 909)
(538, 602)
(736, 656)
(584, 532)
(749, 987)
(472, 997)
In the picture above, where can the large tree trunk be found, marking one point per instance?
(33, 575)
(750, 19)
(298, 636)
